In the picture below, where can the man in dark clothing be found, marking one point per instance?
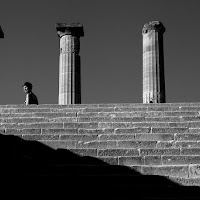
(30, 97)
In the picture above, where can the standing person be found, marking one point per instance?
(30, 96)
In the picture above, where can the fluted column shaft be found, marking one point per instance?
(1, 33)
(69, 64)
(153, 63)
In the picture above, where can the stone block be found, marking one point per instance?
(139, 124)
(194, 171)
(128, 114)
(90, 114)
(66, 110)
(60, 144)
(175, 171)
(38, 137)
(151, 124)
(180, 160)
(63, 119)
(110, 160)
(186, 181)
(7, 110)
(136, 168)
(116, 137)
(55, 114)
(97, 145)
(60, 131)
(152, 160)
(189, 108)
(190, 151)
(187, 124)
(94, 119)
(132, 130)
(194, 130)
(130, 109)
(9, 115)
(128, 119)
(137, 144)
(105, 125)
(169, 130)
(31, 125)
(147, 152)
(95, 131)
(28, 131)
(78, 137)
(154, 137)
(131, 160)
(102, 109)
(190, 118)
(187, 144)
(187, 137)
(118, 152)
(115, 125)
(29, 110)
(88, 125)
(163, 108)
(163, 119)
(165, 144)
(23, 120)
(85, 152)
(154, 114)
(180, 113)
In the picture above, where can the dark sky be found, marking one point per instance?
(111, 50)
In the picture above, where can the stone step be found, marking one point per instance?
(100, 107)
(153, 139)
(107, 119)
(138, 114)
(46, 114)
(190, 133)
(101, 125)
(179, 104)
(186, 181)
(102, 114)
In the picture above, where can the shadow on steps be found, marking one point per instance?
(46, 171)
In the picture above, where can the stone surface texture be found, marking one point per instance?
(153, 63)
(69, 63)
(120, 134)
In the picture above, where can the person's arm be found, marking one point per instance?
(27, 99)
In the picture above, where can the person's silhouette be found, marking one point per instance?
(30, 96)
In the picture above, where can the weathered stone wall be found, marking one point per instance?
(159, 139)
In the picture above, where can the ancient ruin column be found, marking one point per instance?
(153, 63)
(69, 63)
(1, 33)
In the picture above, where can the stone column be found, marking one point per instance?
(1, 33)
(153, 63)
(69, 63)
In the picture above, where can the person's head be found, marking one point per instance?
(27, 87)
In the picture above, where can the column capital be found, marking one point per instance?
(75, 29)
(1, 33)
(153, 25)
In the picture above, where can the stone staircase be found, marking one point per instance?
(101, 139)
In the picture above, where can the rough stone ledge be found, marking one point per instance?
(188, 104)
(174, 171)
(186, 181)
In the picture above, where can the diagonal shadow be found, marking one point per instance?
(39, 166)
